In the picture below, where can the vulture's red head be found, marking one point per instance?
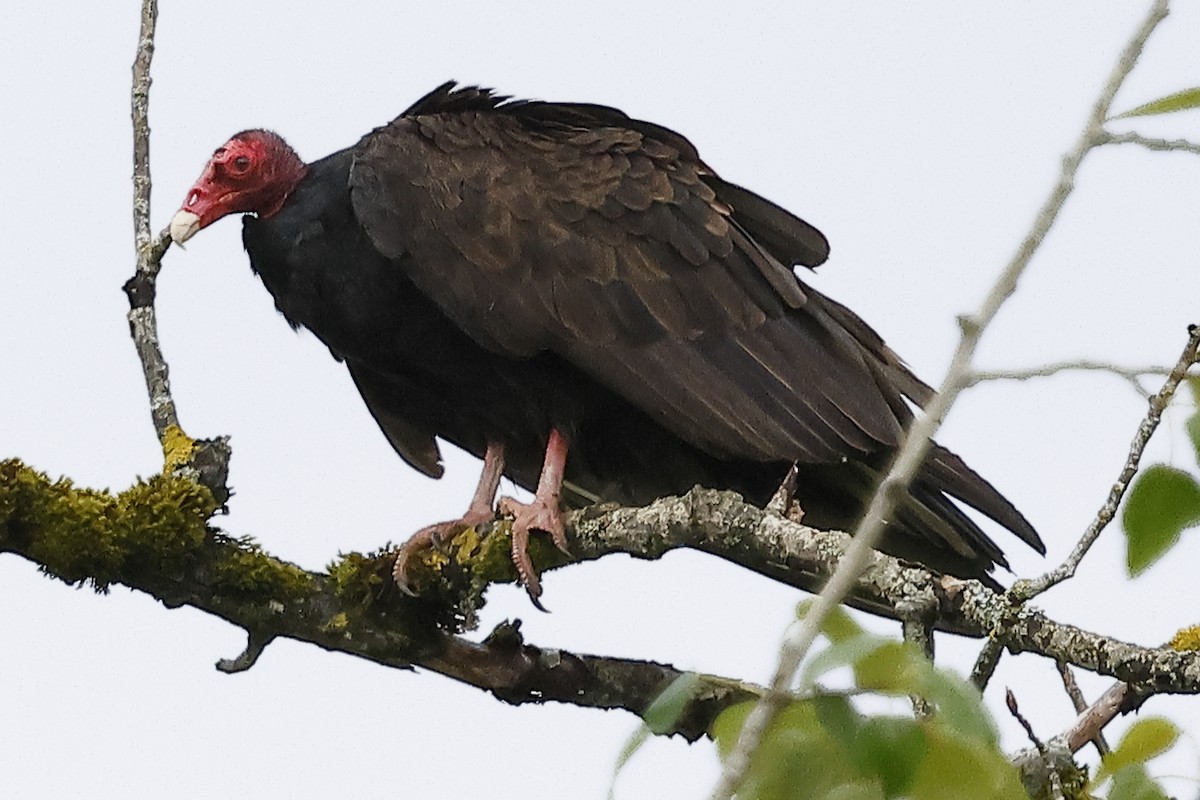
(254, 172)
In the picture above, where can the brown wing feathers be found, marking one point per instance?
(564, 277)
(576, 230)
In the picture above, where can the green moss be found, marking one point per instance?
(241, 567)
(157, 528)
(155, 536)
(489, 559)
(369, 596)
(359, 580)
(338, 623)
(81, 535)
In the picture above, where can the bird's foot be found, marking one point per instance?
(542, 515)
(435, 536)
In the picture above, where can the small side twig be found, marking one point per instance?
(1093, 720)
(1080, 703)
(1051, 774)
(255, 644)
(986, 662)
(989, 656)
(1160, 145)
(1131, 374)
(1010, 700)
(917, 625)
(1025, 590)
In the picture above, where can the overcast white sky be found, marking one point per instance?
(920, 138)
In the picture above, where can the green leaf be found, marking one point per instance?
(1193, 432)
(1134, 783)
(838, 717)
(798, 759)
(1180, 101)
(844, 653)
(670, 704)
(838, 626)
(1193, 422)
(728, 725)
(893, 668)
(1162, 502)
(1144, 740)
(958, 767)
(891, 748)
(660, 717)
(960, 706)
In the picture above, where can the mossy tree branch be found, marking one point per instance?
(155, 537)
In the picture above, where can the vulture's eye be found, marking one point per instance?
(241, 162)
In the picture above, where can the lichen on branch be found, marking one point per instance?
(157, 537)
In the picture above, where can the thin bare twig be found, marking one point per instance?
(207, 460)
(1025, 590)
(1071, 686)
(141, 130)
(1094, 719)
(1080, 703)
(1010, 700)
(911, 457)
(989, 655)
(1159, 145)
(141, 287)
(917, 627)
(1131, 374)
(986, 662)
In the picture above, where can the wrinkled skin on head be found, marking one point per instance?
(254, 172)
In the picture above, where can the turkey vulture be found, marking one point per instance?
(574, 296)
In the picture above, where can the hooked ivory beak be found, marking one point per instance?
(184, 226)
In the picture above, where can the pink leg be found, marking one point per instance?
(479, 511)
(542, 514)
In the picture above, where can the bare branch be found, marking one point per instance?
(1010, 700)
(1080, 704)
(207, 460)
(1071, 686)
(986, 662)
(1025, 590)
(1159, 145)
(989, 656)
(1094, 719)
(141, 128)
(911, 457)
(140, 288)
(917, 627)
(1131, 374)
